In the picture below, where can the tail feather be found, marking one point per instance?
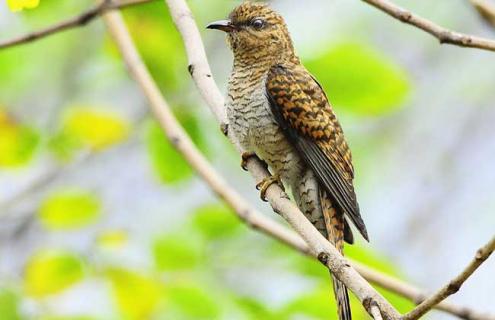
(335, 225)
(342, 297)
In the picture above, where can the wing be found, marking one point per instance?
(301, 109)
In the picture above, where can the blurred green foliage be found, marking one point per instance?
(154, 32)
(190, 301)
(180, 286)
(115, 238)
(18, 142)
(94, 128)
(176, 252)
(51, 271)
(136, 295)
(18, 5)
(9, 305)
(69, 209)
(168, 163)
(216, 221)
(88, 127)
(67, 318)
(360, 79)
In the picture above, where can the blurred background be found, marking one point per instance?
(101, 219)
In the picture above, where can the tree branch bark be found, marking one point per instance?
(454, 285)
(416, 295)
(485, 9)
(442, 34)
(74, 22)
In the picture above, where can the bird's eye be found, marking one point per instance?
(258, 23)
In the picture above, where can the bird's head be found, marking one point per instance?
(256, 32)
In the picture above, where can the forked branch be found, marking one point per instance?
(454, 285)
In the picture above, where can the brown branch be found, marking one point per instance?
(454, 285)
(416, 295)
(375, 312)
(442, 34)
(485, 9)
(74, 22)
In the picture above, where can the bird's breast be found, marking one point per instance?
(253, 124)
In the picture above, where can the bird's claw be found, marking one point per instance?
(245, 157)
(267, 182)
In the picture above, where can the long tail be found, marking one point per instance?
(335, 225)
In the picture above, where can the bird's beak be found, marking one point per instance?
(223, 25)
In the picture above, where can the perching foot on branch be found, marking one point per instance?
(245, 157)
(267, 182)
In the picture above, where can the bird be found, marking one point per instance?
(279, 112)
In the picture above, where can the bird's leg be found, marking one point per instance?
(245, 157)
(267, 182)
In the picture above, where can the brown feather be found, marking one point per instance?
(301, 108)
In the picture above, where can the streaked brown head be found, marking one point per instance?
(256, 31)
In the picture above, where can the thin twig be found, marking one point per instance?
(442, 34)
(74, 22)
(415, 294)
(454, 285)
(485, 9)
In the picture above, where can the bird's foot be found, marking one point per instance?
(267, 182)
(245, 157)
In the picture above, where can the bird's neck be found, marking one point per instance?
(262, 61)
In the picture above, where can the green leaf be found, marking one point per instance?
(153, 30)
(256, 309)
(69, 209)
(114, 239)
(69, 317)
(371, 258)
(169, 164)
(9, 305)
(317, 304)
(137, 296)
(176, 252)
(18, 5)
(95, 128)
(64, 145)
(215, 221)
(191, 302)
(320, 304)
(17, 142)
(360, 79)
(49, 272)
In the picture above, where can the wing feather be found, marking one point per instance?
(302, 110)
